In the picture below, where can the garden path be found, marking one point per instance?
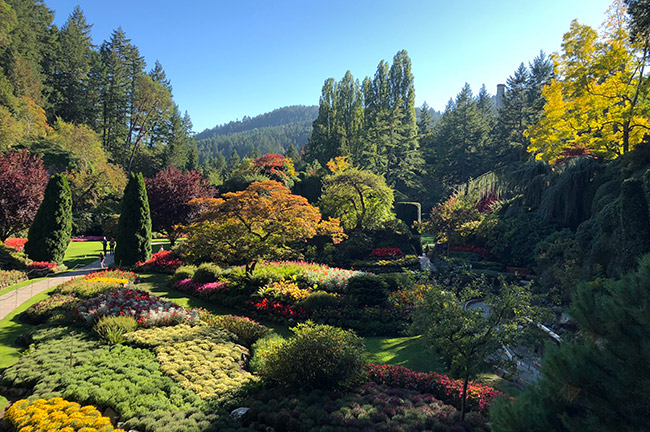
(13, 299)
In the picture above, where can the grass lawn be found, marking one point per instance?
(409, 352)
(80, 254)
(11, 329)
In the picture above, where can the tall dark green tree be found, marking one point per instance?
(635, 220)
(70, 80)
(322, 145)
(134, 228)
(425, 122)
(49, 234)
(598, 381)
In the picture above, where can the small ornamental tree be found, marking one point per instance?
(264, 221)
(22, 182)
(134, 228)
(169, 193)
(49, 235)
(276, 167)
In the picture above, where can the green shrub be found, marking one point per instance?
(49, 234)
(317, 356)
(11, 277)
(183, 272)
(397, 281)
(635, 221)
(262, 349)
(247, 330)
(367, 290)
(319, 300)
(134, 228)
(207, 272)
(111, 329)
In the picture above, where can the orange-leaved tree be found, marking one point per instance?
(264, 221)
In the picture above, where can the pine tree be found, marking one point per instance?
(134, 228)
(635, 220)
(425, 122)
(49, 235)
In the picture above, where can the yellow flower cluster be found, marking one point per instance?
(284, 290)
(57, 414)
(109, 280)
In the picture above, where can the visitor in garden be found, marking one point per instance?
(104, 244)
(112, 245)
(102, 259)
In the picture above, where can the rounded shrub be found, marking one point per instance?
(317, 356)
(49, 234)
(183, 272)
(207, 272)
(367, 290)
(319, 300)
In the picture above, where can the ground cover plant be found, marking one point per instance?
(57, 414)
(97, 283)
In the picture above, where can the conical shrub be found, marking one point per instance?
(49, 234)
(134, 228)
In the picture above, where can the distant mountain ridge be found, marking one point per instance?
(272, 132)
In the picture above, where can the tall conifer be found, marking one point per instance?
(50, 232)
(134, 228)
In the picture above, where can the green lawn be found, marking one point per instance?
(409, 352)
(80, 254)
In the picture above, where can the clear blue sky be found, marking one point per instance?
(230, 58)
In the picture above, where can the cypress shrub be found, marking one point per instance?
(49, 235)
(134, 228)
(635, 220)
(409, 212)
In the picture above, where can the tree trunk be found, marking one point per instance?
(463, 398)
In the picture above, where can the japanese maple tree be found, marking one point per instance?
(261, 222)
(169, 193)
(22, 182)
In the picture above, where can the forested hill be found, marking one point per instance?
(272, 132)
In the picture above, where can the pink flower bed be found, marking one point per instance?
(204, 290)
(87, 238)
(474, 249)
(146, 308)
(160, 262)
(42, 265)
(386, 252)
(16, 243)
(447, 389)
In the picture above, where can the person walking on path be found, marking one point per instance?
(112, 244)
(104, 244)
(102, 259)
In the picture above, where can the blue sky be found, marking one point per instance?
(227, 59)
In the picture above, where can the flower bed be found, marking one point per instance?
(247, 330)
(87, 238)
(11, 277)
(273, 307)
(160, 262)
(447, 389)
(41, 266)
(18, 244)
(97, 283)
(59, 307)
(386, 252)
(146, 308)
(56, 414)
(203, 290)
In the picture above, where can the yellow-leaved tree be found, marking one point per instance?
(598, 101)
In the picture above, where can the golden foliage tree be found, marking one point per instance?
(598, 102)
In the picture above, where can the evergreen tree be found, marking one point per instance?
(134, 228)
(598, 381)
(49, 235)
(349, 119)
(70, 78)
(635, 220)
(425, 122)
(322, 144)
(292, 153)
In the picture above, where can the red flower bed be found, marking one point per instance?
(473, 249)
(17, 243)
(386, 252)
(442, 387)
(277, 308)
(42, 265)
(160, 262)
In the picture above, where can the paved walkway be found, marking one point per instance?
(13, 299)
